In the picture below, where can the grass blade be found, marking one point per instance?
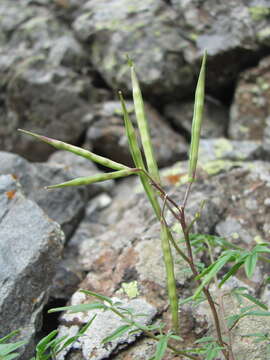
(117, 333)
(255, 301)
(9, 336)
(99, 296)
(79, 308)
(87, 180)
(161, 348)
(250, 264)
(217, 266)
(143, 126)
(197, 122)
(60, 145)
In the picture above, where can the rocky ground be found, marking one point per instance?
(61, 64)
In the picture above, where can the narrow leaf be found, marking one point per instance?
(87, 180)
(218, 265)
(60, 145)
(197, 122)
(72, 339)
(79, 308)
(230, 273)
(117, 333)
(254, 300)
(8, 336)
(250, 264)
(161, 348)
(99, 296)
(5, 349)
(42, 345)
(261, 249)
(257, 313)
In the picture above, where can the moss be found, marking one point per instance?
(259, 12)
(263, 36)
(258, 239)
(222, 147)
(214, 167)
(193, 36)
(130, 289)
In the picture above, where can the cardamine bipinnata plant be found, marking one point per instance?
(208, 347)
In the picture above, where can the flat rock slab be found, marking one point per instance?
(105, 323)
(30, 247)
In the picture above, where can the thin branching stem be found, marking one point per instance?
(205, 290)
(221, 305)
(154, 337)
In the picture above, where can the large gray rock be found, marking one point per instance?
(104, 325)
(251, 105)
(107, 135)
(166, 39)
(42, 87)
(30, 247)
(66, 206)
(215, 117)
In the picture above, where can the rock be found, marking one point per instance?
(51, 100)
(142, 350)
(104, 325)
(42, 85)
(30, 247)
(107, 135)
(215, 117)
(121, 253)
(251, 104)
(168, 39)
(69, 270)
(66, 206)
(221, 148)
(80, 167)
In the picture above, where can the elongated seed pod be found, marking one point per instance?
(60, 145)
(131, 135)
(94, 179)
(165, 233)
(143, 126)
(168, 260)
(137, 158)
(197, 122)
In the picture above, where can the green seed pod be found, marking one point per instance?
(197, 122)
(60, 145)
(143, 126)
(94, 179)
(168, 260)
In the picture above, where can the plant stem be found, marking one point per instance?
(205, 290)
(152, 336)
(221, 304)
